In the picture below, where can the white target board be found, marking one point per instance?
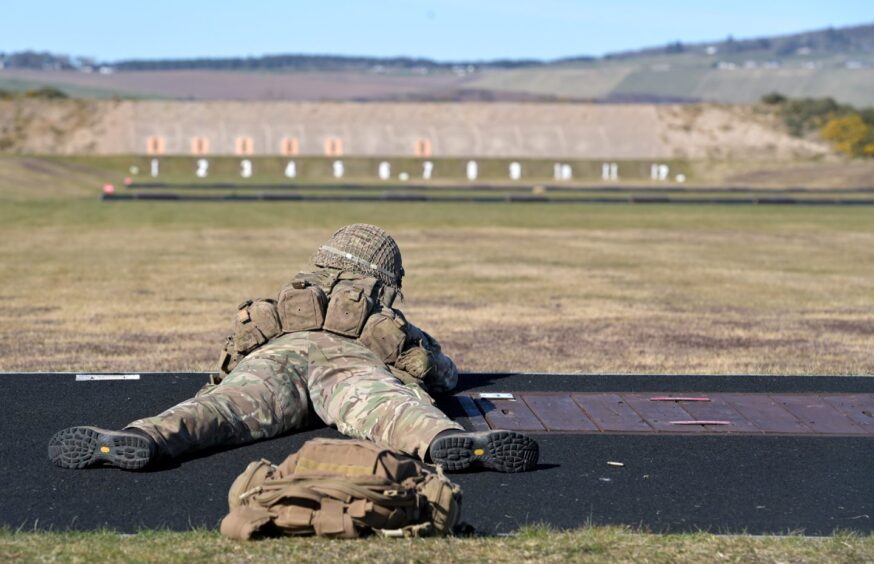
(562, 171)
(384, 170)
(610, 171)
(201, 168)
(659, 172)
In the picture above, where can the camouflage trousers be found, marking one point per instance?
(280, 386)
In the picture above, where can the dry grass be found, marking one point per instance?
(552, 300)
(152, 286)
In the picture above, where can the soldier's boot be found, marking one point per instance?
(81, 447)
(504, 451)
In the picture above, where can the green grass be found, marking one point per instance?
(591, 544)
(320, 169)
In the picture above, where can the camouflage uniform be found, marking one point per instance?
(280, 387)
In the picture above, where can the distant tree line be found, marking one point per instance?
(314, 62)
(53, 61)
(849, 129)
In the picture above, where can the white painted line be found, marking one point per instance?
(98, 377)
(496, 395)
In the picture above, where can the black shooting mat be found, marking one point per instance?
(725, 484)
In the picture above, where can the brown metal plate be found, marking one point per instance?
(817, 414)
(765, 413)
(634, 412)
(558, 412)
(610, 412)
(509, 414)
(659, 414)
(718, 409)
(858, 407)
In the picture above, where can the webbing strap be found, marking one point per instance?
(359, 260)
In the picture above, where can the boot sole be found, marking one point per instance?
(503, 451)
(81, 447)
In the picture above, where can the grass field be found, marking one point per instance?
(87, 285)
(592, 544)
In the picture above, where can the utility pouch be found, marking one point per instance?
(349, 306)
(384, 334)
(302, 306)
(257, 322)
(228, 358)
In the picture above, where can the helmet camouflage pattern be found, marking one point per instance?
(363, 249)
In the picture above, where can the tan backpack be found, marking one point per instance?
(342, 488)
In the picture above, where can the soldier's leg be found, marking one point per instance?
(352, 389)
(265, 395)
(262, 397)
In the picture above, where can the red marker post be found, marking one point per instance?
(108, 189)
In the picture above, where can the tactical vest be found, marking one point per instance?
(341, 302)
(342, 488)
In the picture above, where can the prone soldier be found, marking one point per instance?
(332, 346)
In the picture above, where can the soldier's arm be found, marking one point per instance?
(439, 372)
(444, 377)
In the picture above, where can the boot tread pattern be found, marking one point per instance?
(504, 451)
(81, 447)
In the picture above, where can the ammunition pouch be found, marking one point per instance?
(302, 307)
(349, 307)
(256, 323)
(385, 334)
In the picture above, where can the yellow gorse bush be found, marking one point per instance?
(849, 134)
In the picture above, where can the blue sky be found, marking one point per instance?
(444, 30)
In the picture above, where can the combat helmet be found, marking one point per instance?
(363, 249)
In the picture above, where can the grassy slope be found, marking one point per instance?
(91, 285)
(688, 76)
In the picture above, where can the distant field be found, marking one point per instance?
(230, 85)
(646, 77)
(26, 178)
